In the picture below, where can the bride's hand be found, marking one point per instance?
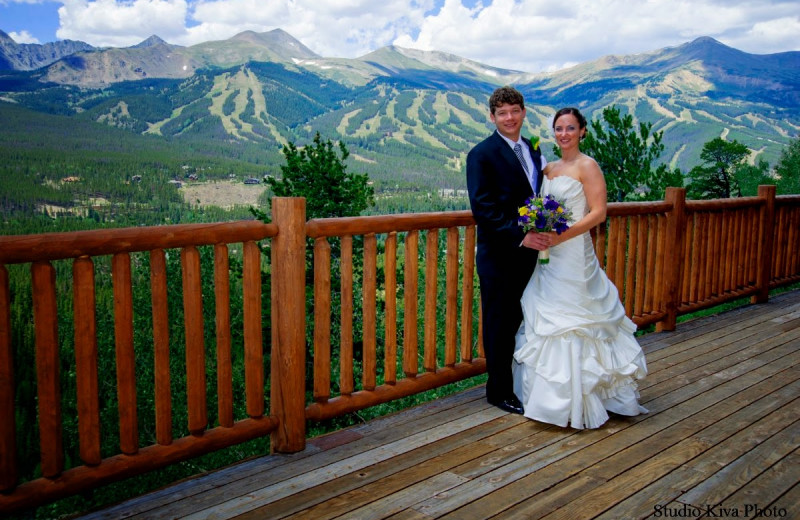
(555, 238)
(538, 241)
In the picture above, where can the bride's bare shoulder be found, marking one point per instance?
(587, 160)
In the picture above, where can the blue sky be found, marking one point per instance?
(527, 35)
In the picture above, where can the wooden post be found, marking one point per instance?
(287, 384)
(676, 220)
(765, 242)
(8, 427)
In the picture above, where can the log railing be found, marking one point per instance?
(374, 333)
(459, 358)
(82, 249)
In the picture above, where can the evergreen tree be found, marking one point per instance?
(751, 176)
(716, 178)
(319, 174)
(788, 169)
(627, 158)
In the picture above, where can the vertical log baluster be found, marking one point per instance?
(740, 270)
(410, 284)
(86, 360)
(253, 338)
(616, 253)
(451, 305)
(695, 261)
(322, 320)
(641, 254)
(163, 392)
(222, 305)
(704, 271)
(195, 341)
(791, 260)
(481, 352)
(600, 247)
(750, 261)
(48, 379)
(390, 275)
(369, 313)
(656, 283)
(718, 252)
(730, 246)
(346, 378)
(8, 438)
(467, 294)
(686, 262)
(714, 252)
(631, 258)
(126, 357)
(744, 268)
(782, 237)
(431, 290)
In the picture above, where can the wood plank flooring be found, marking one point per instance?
(721, 440)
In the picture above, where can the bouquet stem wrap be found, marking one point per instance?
(544, 256)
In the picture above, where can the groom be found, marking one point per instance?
(499, 180)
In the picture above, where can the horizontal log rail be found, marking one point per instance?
(392, 310)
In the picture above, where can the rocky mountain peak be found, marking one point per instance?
(152, 41)
(31, 56)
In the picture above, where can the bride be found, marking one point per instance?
(576, 357)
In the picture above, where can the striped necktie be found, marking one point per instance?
(518, 151)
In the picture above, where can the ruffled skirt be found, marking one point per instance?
(576, 357)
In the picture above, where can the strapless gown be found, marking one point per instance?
(576, 357)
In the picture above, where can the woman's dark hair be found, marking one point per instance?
(573, 111)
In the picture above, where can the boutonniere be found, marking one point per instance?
(534, 142)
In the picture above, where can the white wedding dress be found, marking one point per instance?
(576, 357)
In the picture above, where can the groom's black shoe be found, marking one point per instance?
(510, 404)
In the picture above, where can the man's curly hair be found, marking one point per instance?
(505, 96)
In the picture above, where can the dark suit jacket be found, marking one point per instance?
(498, 187)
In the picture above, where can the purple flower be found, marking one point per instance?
(550, 203)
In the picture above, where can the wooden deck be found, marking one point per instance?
(722, 438)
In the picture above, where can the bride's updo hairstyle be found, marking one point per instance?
(575, 112)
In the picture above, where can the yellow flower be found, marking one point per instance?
(523, 211)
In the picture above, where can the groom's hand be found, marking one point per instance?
(538, 241)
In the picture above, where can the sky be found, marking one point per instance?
(525, 35)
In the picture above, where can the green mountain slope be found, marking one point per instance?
(409, 117)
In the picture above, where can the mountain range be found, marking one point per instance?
(407, 116)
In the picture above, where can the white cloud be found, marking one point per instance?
(531, 35)
(23, 37)
(121, 23)
(773, 35)
(528, 35)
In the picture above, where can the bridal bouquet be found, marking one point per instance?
(542, 214)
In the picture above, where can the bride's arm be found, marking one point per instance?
(594, 187)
